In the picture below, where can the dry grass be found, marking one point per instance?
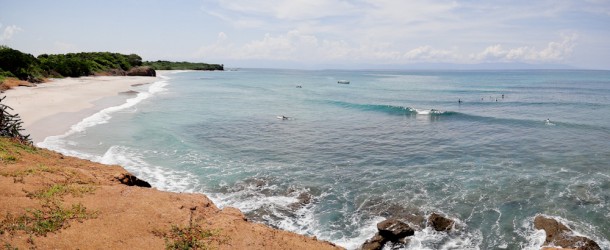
(11, 82)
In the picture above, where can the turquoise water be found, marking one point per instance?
(389, 143)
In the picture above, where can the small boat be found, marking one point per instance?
(343, 81)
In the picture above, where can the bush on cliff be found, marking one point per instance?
(10, 124)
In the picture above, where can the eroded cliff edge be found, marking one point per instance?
(48, 200)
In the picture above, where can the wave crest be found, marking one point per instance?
(392, 109)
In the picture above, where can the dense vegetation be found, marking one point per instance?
(14, 63)
(167, 65)
(83, 64)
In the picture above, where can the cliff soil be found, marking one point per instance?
(51, 201)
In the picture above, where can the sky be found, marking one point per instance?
(319, 34)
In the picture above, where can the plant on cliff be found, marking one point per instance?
(189, 237)
(52, 217)
(192, 236)
(10, 125)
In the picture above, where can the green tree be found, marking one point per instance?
(134, 60)
(21, 65)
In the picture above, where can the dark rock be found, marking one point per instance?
(440, 223)
(142, 71)
(111, 72)
(131, 180)
(559, 234)
(393, 229)
(388, 209)
(33, 80)
(389, 230)
(129, 92)
(303, 199)
(375, 243)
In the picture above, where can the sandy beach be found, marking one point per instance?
(52, 108)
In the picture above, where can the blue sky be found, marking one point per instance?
(318, 33)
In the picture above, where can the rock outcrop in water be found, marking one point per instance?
(398, 232)
(558, 234)
(389, 230)
(440, 223)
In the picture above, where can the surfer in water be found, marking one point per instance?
(283, 117)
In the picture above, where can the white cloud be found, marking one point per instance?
(557, 51)
(390, 31)
(428, 54)
(289, 10)
(553, 52)
(299, 47)
(8, 32)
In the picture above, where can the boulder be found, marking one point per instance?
(440, 223)
(375, 243)
(558, 234)
(389, 230)
(111, 72)
(142, 71)
(304, 198)
(377, 206)
(393, 229)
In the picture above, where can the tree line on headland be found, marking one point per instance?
(26, 67)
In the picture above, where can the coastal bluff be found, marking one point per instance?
(52, 201)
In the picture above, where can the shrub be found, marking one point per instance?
(10, 124)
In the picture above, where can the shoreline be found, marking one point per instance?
(51, 109)
(55, 108)
(57, 124)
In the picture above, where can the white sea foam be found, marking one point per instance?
(428, 111)
(160, 177)
(534, 238)
(365, 232)
(460, 237)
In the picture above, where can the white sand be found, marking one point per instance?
(52, 108)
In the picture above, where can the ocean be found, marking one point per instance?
(490, 149)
